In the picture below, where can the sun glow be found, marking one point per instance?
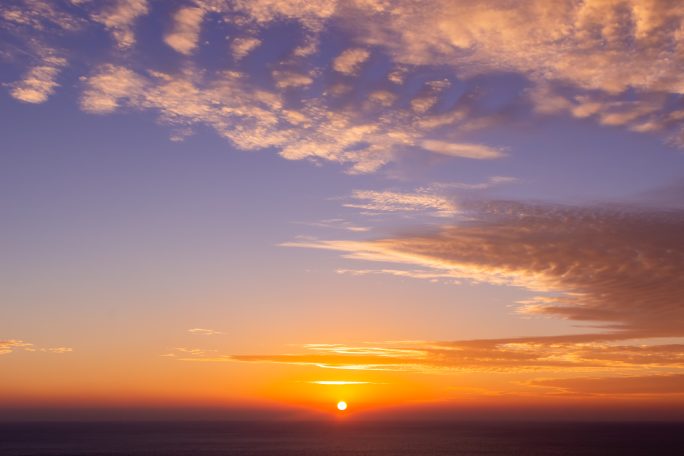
(341, 406)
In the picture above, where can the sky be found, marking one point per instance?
(257, 208)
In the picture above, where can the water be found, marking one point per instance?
(350, 439)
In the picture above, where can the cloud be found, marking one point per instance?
(338, 224)
(29, 29)
(578, 59)
(186, 29)
(493, 181)
(411, 273)
(119, 18)
(36, 16)
(254, 117)
(191, 354)
(39, 82)
(616, 386)
(383, 97)
(310, 13)
(475, 151)
(642, 115)
(388, 201)
(242, 46)
(608, 46)
(350, 60)
(8, 346)
(584, 353)
(619, 268)
(285, 79)
(108, 86)
(204, 332)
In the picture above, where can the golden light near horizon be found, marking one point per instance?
(341, 406)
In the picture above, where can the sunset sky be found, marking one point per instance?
(258, 208)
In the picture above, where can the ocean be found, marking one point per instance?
(342, 438)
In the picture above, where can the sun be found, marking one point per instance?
(341, 406)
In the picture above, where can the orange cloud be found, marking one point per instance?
(11, 345)
(615, 386)
(621, 268)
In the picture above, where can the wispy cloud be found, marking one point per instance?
(388, 201)
(204, 332)
(584, 353)
(620, 268)
(617, 386)
(338, 224)
(476, 151)
(433, 276)
(8, 346)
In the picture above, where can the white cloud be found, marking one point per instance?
(242, 46)
(285, 79)
(39, 82)
(204, 332)
(388, 201)
(476, 151)
(186, 30)
(350, 60)
(120, 18)
(8, 346)
(108, 86)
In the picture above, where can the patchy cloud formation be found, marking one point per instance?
(8, 346)
(585, 43)
(257, 118)
(578, 59)
(25, 16)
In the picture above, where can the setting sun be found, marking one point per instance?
(341, 406)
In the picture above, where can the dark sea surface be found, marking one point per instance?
(345, 438)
